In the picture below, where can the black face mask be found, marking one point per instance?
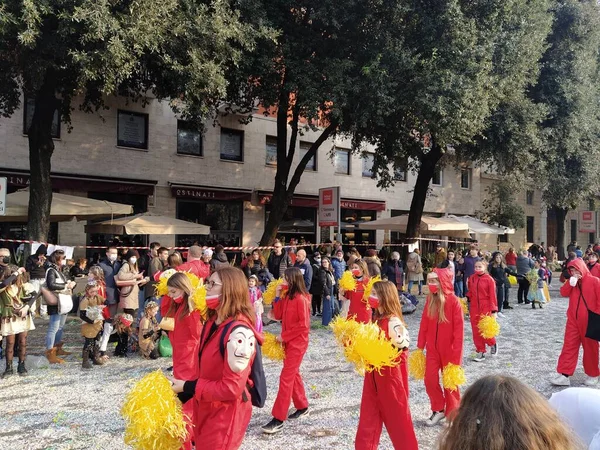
(5, 259)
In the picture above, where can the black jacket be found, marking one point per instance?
(323, 283)
(277, 269)
(56, 282)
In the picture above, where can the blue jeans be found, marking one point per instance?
(55, 330)
(410, 285)
(458, 288)
(327, 310)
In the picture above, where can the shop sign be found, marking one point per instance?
(208, 194)
(329, 207)
(587, 221)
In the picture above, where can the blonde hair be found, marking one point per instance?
(363, 268)
(180, 281)
(389, 302)
(436, 303)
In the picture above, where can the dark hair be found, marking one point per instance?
(112, 247)
(219, 248)
(153, 245)
(371, 252)
(131, 253)
(174, 260)
(295, 281)
(329, 269)
(162, 249)
(56, 257)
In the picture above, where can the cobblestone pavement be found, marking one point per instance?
(64, 407)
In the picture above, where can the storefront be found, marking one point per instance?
(220, 209)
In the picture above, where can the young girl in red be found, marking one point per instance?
(293, 309)
(441, 336)
(482, 302)
(359, 309)
(385, 393)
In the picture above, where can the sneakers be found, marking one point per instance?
(494, 350)
(561, 380)
(591, 381)
(299, 413)
(435, 418)
(274, 426)
(480, 357)
(501, 315)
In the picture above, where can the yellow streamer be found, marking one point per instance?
(271, 292)
(273, 349)
(453, 376)
(153, 416)
(464, 305)
(347, 282)
(416, 364)
(198, 297)
(488, 327)
(369, 287)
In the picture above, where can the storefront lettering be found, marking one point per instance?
(349, 205)
(195, 193)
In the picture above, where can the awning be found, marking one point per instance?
(478, 227)
(64, 208)
(308, 201)
(430, 226)
(147, 223)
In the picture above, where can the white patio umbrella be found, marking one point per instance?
(479, 227)
(147, 223)
(430, 226)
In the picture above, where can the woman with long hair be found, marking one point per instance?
(255, 264)
(441, 337)
(502, 413)
(128, 280)
(222, 406)
(358, 309)
(292, 307)
(385, 393)
(482, 302)
(326, 279)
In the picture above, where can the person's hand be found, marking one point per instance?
(24, 311)
(279, 339)
(139, 276)
(278, 290)
(328, 297)
(21, 270)
(176, 385)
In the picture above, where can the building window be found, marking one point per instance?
(401, 171)
(367, 165)
(530, 223)
(592, 238)
(573, 230)
(312, 162)
(224, 219)
(271, 149)
(29, 108)
(465, 178)
(342, 161)
(232, 144)
(529, 197)
(189, 139)
(437, 177)
(132, 129)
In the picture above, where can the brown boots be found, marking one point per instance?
(52, 358)
(60, 351)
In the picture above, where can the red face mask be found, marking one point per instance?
(178, 300)
(213, 301)
(433, 288)
(479, 271)
(373, 302)
(356, 272)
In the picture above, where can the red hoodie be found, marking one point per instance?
(482, 295)
(295, 320)
(446, 337)
(586, 289)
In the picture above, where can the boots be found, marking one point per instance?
(60, 351)
(98, 360)
(21, 370)
(52, 358)
(85, 355)
(9, 369)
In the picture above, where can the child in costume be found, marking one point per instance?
(293, 309)
(385, 393)
(358, 308)
(441, 336)
(90, 312)
(121, 332)
(482, 302)
(537, 295)
(256, 301)
(149, 331)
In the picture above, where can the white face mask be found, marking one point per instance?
(112, 258)
(133, 260)
(573, 281)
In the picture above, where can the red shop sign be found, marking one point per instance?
(314, 203)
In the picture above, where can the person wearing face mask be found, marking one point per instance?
(441, 337)
(110, 267)
(222, 406)
(292, 307)
(483, 301)
(129, 280)
(583, 290)
(358, 309)
(593, 265)
(316, 286)
(394, 271)
(385, 393)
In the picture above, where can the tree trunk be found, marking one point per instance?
(561, 215)
(417, 205)
(41, 147)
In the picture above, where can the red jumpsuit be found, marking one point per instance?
(595, 270)
(385, 401)
(587, 289)
(443, 344)
(482, 301)
(358, 307)
(295, 326)
(222, 402)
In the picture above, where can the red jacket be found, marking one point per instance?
(482, 295)
(588, 289)
(197, 267)
(185, 340)
(595, 270)
(511, 259)
(295, 320)
(358, 307)
(445, 337)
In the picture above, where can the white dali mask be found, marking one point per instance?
(240, 348)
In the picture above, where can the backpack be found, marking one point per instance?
(258, 388)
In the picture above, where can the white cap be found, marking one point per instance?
(208, 252)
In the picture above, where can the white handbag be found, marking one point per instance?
(65, 303)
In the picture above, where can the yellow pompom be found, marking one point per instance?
(365, 345)
(272, 349)
(347, 282)
(488, 327)
(369, 287)
(198, 298)
(161, 286)
(153, 416)
(464, 305)
(453, 376)
(271, 292)
(416, 364)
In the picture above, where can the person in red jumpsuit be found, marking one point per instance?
(482, 302)
(359, 308)
(293, 309)
(583, 290)
(185, 338)
(441, 337)
(593, 265)
(222, 403)
(385, 393)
